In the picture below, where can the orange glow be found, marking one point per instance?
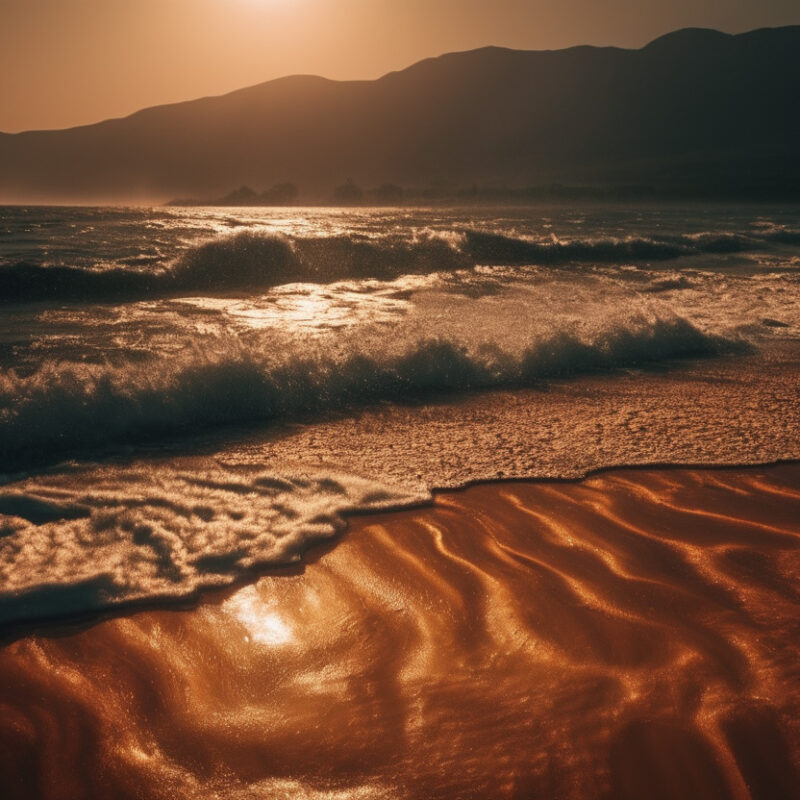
(69, 63)
(588, 639)
(262, 624)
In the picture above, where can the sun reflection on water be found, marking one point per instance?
(263, 625)
(304, 307)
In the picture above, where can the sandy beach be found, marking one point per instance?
(631, 635)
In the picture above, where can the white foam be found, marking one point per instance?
(117, 535)
(65, 409)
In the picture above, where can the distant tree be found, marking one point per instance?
(281, 194)
(389, 193)
(348, 194)
(243, 196)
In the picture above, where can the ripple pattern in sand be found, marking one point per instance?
(632, 635)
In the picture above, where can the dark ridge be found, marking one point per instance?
(696, 112)
(689, 37)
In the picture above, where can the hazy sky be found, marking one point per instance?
(68, 62)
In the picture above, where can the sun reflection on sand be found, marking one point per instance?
(593, 639)
(263, 625)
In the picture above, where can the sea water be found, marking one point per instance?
(187, 395)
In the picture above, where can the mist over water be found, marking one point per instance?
(158, 366)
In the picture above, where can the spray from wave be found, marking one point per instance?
(64, 409)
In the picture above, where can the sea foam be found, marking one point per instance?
(70, 409)
(96, 538)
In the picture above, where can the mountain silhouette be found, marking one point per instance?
(694, 110)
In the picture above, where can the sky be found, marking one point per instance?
(71, 62)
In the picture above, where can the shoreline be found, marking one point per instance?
(584, 638)
(10, 633)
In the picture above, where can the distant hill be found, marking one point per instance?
(696, 111)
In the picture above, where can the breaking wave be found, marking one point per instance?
(252, 260)
(245, 261)
(64, 409)
(494, 249)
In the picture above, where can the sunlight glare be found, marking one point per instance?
(263, 625)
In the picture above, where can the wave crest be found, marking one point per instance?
(244, 261)
(494, 249)
(253, 260)
(64, 409)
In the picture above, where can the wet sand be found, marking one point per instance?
(632, 635)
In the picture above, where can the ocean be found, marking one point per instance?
(188, 396)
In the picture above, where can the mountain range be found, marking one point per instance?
(695, 111)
